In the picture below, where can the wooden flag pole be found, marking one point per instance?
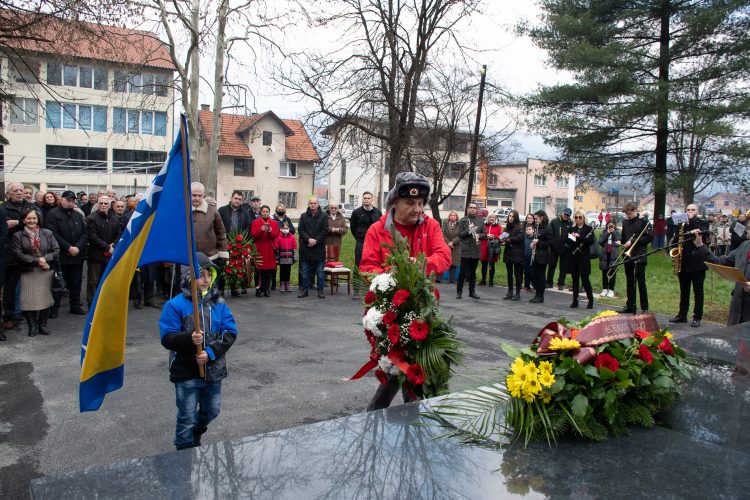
(191, 263)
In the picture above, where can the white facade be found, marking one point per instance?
(90, 125)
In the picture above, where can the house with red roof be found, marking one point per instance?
(261, 155)
(92, 107)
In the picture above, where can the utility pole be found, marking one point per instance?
(475, 141)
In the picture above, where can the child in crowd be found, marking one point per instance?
(528, 271)
(285, 246)
(198, 398)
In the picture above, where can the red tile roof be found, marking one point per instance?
(51, 35)
(232, 143)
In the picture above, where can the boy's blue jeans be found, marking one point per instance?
(198, 403)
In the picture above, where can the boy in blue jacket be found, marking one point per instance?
(198, 398)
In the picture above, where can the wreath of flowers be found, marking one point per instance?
(552, 390)
(243, 258)
(407, 334)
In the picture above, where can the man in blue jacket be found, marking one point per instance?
(198, 398)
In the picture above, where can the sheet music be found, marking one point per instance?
(739, 230)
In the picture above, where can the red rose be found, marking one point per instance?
(400, 297)
(239, 237)
(415, 374)
(645, 354)
(245, 253)
(437, 295)
(418, 330)
(230, 246)
(382, 377)
(665, 346)
(229, 270)
(240, 275)
(389, 317)
(642, 334)
(604, 360)
(393, 334)
(370, 297)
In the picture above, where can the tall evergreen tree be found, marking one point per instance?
(630, 62)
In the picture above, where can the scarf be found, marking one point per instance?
(36, 244)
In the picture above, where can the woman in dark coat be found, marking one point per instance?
(35, 250)
(540, 249)
(739, 306)
(264, 231)
(609, 242)
(450, 235)
(578, 239)
(490, 249)
(514, 254)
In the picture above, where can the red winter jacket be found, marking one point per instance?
(264, 241)
(426, 237)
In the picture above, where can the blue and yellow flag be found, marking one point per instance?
(158, 231)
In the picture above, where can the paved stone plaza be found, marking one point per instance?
(288, 368)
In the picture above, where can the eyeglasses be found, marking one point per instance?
(578, 217)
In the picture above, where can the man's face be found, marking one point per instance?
(93, 197)
(367, 200)
(103, 204)
(255, 204)
(724, 219)
(565, 217)
(472, 209)
(408, 210)
(67, 203)
(84, 198)
(236, 201)
(631, 214)
(692, 211)
(119, 207)
(28, 194)
(16, 192)
(313, 204)
(196, 196)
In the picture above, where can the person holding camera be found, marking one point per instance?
(609, 242)
(264, 231)
(514, 254)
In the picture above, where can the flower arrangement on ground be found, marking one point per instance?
(408, 336)
(243, 259)
(592, 379)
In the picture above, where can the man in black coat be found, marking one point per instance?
(14, 207)
(692, 267)
(235, 218)
(69, 228)
(313, 229)
(471, 230)
(362, 218)
(103, 229)
(3, 242)
(636, 233)
(559, 231)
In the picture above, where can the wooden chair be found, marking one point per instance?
(334, 275)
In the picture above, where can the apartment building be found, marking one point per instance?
(263, 155)
(528, 187)
(92, 108)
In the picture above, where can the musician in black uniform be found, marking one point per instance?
(636, 233)
(540, 248)
(577, 260)
(692, 269)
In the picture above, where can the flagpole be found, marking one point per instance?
(191, 263)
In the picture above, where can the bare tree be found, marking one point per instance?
(375, 75)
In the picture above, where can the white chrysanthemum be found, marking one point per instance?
(382, 283)
(385, 364)
(372, 319)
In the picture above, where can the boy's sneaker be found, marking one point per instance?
(604, 293)
(611, 293)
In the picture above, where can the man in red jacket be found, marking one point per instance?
(404, 208)
(405, 204)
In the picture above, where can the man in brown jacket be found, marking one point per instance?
(210, 235)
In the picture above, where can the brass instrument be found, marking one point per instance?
(473, 232)
(676, 253)
(626, 254)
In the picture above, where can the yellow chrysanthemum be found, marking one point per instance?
(546, 379)
(532, 387)
(531, 371)
(517, 365)
(529, 398)
(604, 314)
(546, 397)
(546, 366)
(668, 335)
(558, 344)
(514, 386)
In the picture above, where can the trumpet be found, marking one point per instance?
(626, 254)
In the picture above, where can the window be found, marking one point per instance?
(100, 118)
(491, 179)
(147, 123)
(726, 203)
(455, 203)
(118, 120)
(100, 79)
(120, 81)
(267, 138)
(148, 84)
(69, 115)
(540, 180)
(72, 158)
(247, 193)
(54, 73)
(70, 75)
(353, 200)
(86, 76)
(560, 204)
(133, 121)
(537, 204)
(84, 117)
(23, 111)
(492, 203)
(506, 203)
(342, 194)
(287, 168)
(160, 123)
(244, 167)
(134, 84)
(455, 170)
(128, 159)
(161, 83)
(53, 114)
(604, 199)
(24, 71)
(289, 199)
(561, 182)
(343, 172)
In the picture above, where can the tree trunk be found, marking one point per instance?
(662, 114)
(213, 152)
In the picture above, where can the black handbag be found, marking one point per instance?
(58, 282)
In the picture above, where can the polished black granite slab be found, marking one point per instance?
(701, 449)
